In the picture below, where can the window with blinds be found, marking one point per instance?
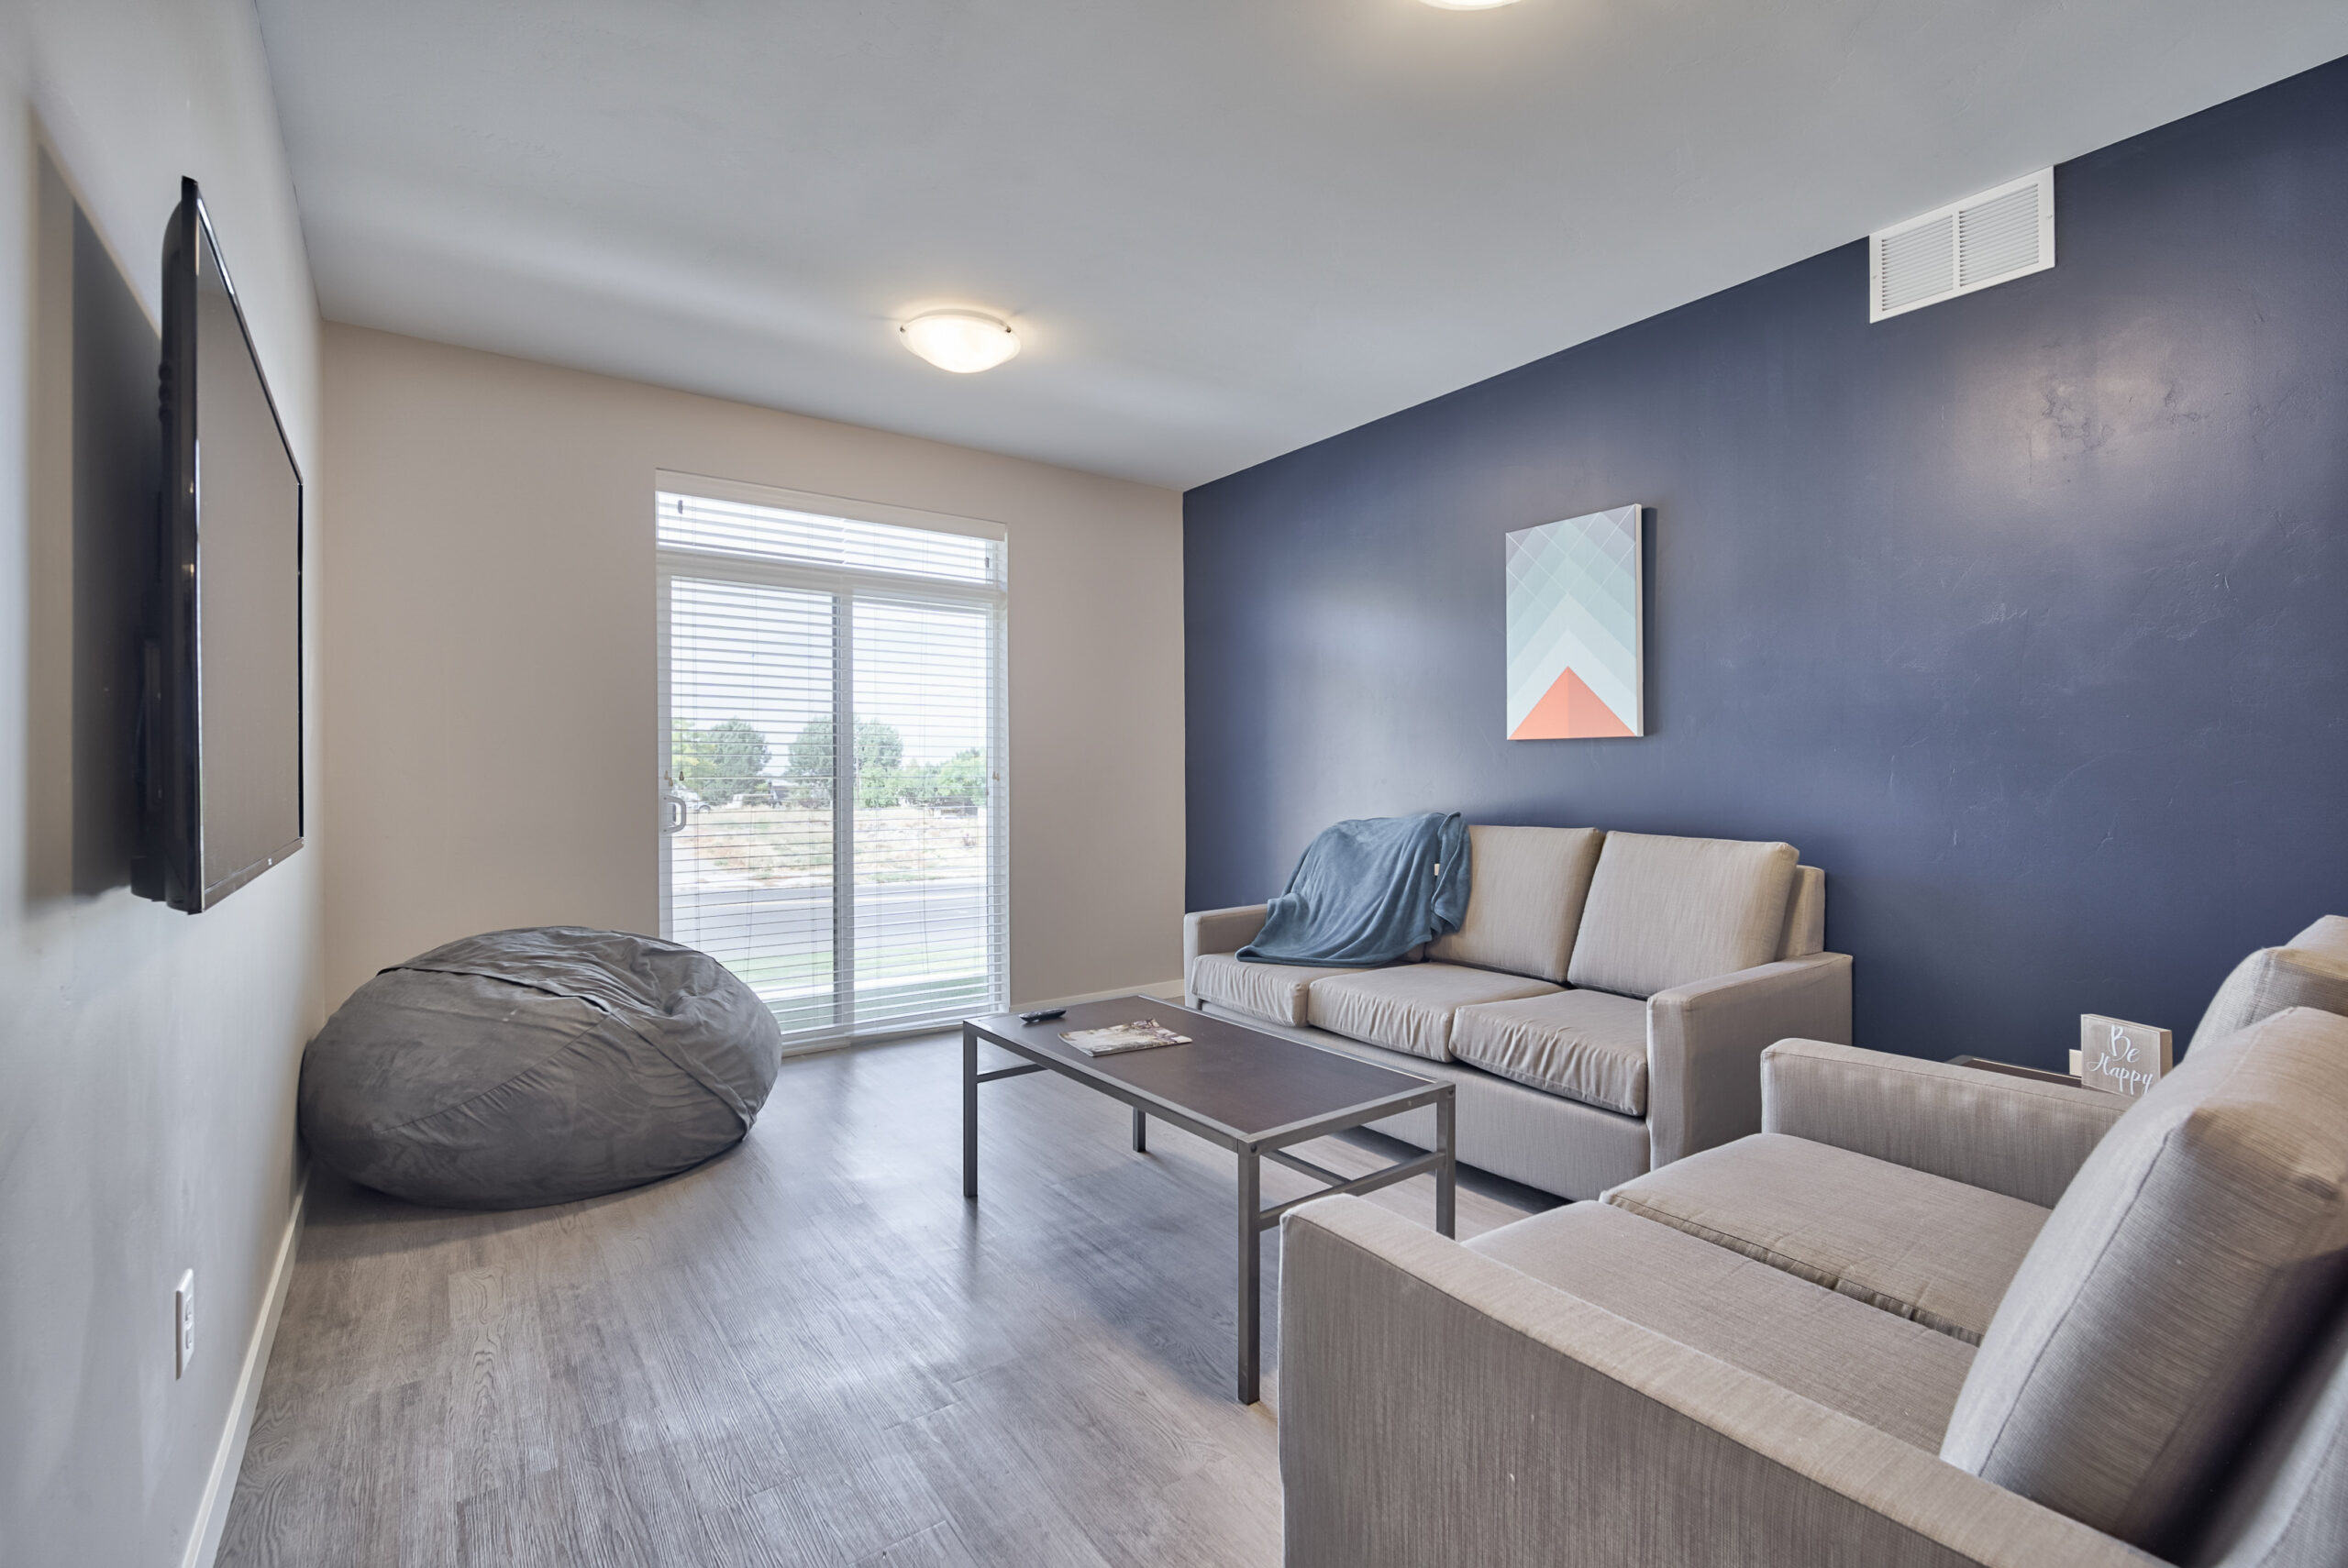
(832, 741)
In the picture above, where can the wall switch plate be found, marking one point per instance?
(2121, 1057)
(183, 1324)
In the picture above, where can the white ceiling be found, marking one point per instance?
(1224, 228)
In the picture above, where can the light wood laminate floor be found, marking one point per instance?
(809, 1351)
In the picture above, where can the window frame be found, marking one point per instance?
(846, 586)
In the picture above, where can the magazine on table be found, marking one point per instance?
(1142, 1034)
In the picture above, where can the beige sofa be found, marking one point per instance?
(1864, 1337)
(1603, 1008)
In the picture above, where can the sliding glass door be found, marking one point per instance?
(831, 735)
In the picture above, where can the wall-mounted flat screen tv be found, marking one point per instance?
(221, 751)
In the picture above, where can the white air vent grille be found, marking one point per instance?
(2001, 234)
(1916, 264)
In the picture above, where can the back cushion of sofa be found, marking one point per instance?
(2285, 1505)
(1525, 889)
(1665, 911)
(2326, 934)
(2183, 1271)
(1804, 932)
(2312, 970)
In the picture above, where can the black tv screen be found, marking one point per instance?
(222, 751)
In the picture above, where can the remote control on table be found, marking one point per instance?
(1043, 1015)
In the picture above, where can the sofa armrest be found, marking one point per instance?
(2017, 1136)
(1705, 1040)
(1218, 930)
(1440, 1409)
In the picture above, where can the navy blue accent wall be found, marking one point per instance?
(2025, 614)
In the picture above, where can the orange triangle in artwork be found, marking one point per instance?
(1569, 710)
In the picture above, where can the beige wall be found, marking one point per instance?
(489, 657)
(147, 1058)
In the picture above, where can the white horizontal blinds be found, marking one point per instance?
(751, 874)
(858, 887)
(928, 930)
(777, 533)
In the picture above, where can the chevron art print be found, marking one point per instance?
(1576, 615)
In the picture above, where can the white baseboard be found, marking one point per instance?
(1164, 991)
(220, 1488)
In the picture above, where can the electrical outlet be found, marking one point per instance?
(183, 1321)
(2123, 1057)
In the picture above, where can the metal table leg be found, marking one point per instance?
(1447, 1175)
(970, 1112)
(1441, 1162)
(1251, 1270)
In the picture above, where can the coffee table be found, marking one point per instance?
(1251, 1092)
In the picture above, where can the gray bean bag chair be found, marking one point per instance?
(524, 1068)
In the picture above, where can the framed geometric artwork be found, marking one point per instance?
(1577, 663)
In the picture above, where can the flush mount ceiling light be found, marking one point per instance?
(1466, 5)
(962, 341)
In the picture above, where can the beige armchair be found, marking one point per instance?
(1596, 1386)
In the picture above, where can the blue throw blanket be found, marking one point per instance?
(1368, 891)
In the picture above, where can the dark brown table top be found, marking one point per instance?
(1242, 1079)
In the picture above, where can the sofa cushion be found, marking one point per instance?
(1544, 1141)
(1525, 891)
(1897, 1377)
(1586, 1045)
(1664, 911)
(2310, 970)
(1921, 1247)
(1276, 992)
(2285, 1505)
(2185, 1266)
(1804, 932)
(1409, 1007)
